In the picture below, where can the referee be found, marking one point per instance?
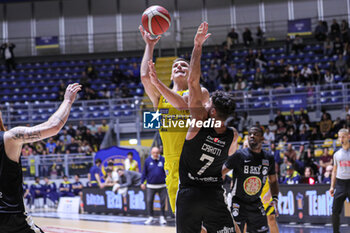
(340, 183)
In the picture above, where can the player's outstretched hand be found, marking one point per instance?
(71, 91)
(148, 38)
(202, 34)
(152, 73)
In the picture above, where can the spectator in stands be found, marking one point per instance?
(99, 137)
(8, 56)
(325, 126)
(272, 126)
(328, 78)
(346, 77)
(292, 177)
(288, 45)
(283, 169)
(232, 38)
(245, 123)
(290, 153)
(341, 66)
(227, 56)
(117, 75)
(327, 47)
(320, 31)
(108, 179)
(93, 128)
(66, 189)
(279, 117)
(89, 94)
(335, 30)
(153, 172)
(240, 85)
(304, 124)
(130, 164)
(260, 59)
(309, 160)
(71, 130)
(259, 36)
(306, 75)
(65, 138)
(26, 194)
(73, 147)
(337, 124)
(281, 131)
(315, 135)
(50, 190)
(247, 37)
(37, 191)
(309, 177)
(94, 175)
(269, 136)
(259, 79)
(316, 74)
(327, 176)
(292, 117)
(303, 134)
(276, 154)
(250, 59)
(85, 80)
(104, 127)
(304, 115)
(226, 81)
(91, 71)
(26, 150)
(50, 146)
(291, 135)
(271, 73)
(325, 160)
(344, 30)
(338, 46)
(298, 44)
(126, 180)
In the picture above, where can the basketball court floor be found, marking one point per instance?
(53, 222)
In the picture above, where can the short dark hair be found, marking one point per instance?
(98, 161)
(77, 175)
(110, 164)
(65, 176)
(130, 153)
(260, 130)
(224, 104)
(120, 169)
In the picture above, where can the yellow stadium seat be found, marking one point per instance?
(331, 151)
(239, 140)
(328, 142)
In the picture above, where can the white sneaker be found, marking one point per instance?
(46, 207)
(149, 220)
(162, 220)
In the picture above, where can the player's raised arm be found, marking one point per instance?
(16, 137)
(195, 104)
(150, 89)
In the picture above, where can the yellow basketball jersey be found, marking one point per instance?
(173, 129)
(268, 208)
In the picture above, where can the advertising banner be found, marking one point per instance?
(299, 27)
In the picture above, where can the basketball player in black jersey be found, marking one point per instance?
(13, 216)
(200, 198)
(251, 168)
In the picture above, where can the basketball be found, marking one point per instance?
(156, 20)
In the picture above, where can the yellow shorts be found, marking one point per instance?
(172, 179)
(269, 209)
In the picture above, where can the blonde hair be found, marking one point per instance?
(343, 130)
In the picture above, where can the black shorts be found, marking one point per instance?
(252, 213)
(202, 206)
(17, 223)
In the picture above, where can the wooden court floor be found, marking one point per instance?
(55, 225)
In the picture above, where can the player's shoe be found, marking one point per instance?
(149, 220)
(162, 220)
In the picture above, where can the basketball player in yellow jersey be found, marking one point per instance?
(170, 102)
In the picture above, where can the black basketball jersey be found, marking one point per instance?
(203, 156)
(250, 171)
(11, 179)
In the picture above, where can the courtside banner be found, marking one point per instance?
(299, 27)
(117, 155)
(305, 203)
(98, 200)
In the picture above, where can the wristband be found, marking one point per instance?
(275, 197)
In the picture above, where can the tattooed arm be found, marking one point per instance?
(16, 137)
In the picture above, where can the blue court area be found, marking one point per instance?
(284, 228)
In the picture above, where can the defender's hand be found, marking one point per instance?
(71, 92)
(202, 34)
(147, 37)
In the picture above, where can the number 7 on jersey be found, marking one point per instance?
(210, 161)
